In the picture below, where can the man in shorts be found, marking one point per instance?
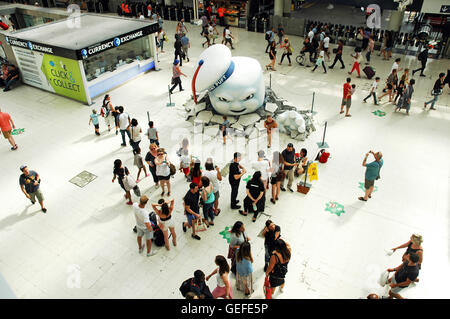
(144, 226)
(372, 173)
(405, 274)
(346, 98)
(6, 126)
(192, 209)
(30, 184)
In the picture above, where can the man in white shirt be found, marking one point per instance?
(124, 125)
(214, 176)
(143, 225)
(373, 91)
(228, 37)
(262, 165)
(326, 44)
(310, 34)
(395, 65)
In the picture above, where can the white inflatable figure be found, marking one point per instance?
(291, 122)
(235, 84)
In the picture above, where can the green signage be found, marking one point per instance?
(64, 76)
(226, 234)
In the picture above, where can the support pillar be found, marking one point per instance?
(396, 20)
(278, 8)
(287, 4)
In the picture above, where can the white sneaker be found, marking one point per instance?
(141, 249)
(151, 253)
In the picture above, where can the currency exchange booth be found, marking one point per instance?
(84, 57)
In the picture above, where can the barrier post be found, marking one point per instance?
(170, 104)
(312, 104)
(323, 144)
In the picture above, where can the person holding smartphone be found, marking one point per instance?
(372, 173)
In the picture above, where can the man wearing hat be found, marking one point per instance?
(176, 73)
(234, 177)
(289, 165)
(29, 183)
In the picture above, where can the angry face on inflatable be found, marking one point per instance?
(235, 85)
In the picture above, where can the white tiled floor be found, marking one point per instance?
(333, 257)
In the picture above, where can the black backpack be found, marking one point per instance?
(186, 286)
(158, 237)
(267, 36)
(153, 219)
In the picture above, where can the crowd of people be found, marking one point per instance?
(201, 201)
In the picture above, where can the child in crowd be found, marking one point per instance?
(139, 163)
(152, 134)
(225, 125)
(373, 91)
(94, 119)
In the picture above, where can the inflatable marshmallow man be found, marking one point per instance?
(235, 84)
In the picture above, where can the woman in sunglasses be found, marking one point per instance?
(163, 170)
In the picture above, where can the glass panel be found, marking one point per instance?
(110, 60)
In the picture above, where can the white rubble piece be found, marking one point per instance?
(248, 119)
(298, 124)
(204, 116)
(271, 107)
(211, 130)
(237, 126)
(200, 107)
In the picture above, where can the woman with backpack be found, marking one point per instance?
(120, 172)
(208, 200)
(224, 288)
(162, 164)
(166, 223)
(271, 233)
(109, 113)
(277, 269)
(286, 45)
(244, 268)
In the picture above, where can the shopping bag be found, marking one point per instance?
(200, 225)
(267, 289)
(129, 183)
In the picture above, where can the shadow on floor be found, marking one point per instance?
(14, 219)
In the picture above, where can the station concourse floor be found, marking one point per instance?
(84, 247)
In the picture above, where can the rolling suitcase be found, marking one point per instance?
(369, 72)
(4, 26)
